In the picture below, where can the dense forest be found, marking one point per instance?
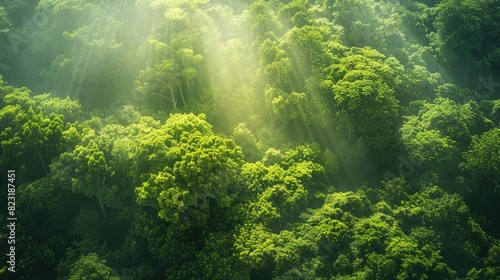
(294, 139)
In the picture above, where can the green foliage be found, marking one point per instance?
(382, 266)
(88, 224)
(473, 44)
(430, 147)
(294, 13)
(283, 195)
(31, 132)
(87, 168)
(440, 131)
(291, 250)
(87, 59)
(247, 139)
(194, 167)
(244, 138)
(364, 97)
(274, 61)
(352, 154)
(163, 80)
(254, 245)
(356, 204)
(395, 191)
(217, 258)
(482, 159)
(283, 187)
(91, 267)
(330, 162)
(289, 107)
(434, 206)
(373, 234)
(449, 216)
(327, 231)
(4, 22)
(491, 109)
(261, 21)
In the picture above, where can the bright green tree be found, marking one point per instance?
(195, 167)
(87, 170)
(91, 267)
(31, 129)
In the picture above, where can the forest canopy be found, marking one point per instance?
(210, 139)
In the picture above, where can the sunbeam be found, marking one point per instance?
(250, 139)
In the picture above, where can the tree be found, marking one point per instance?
(457, 233)
(441, 131)
(395, 191)
(465, 35)
(87, 169)
(218, 259)
(254, 245)
(294, 14)
(261, 21)
(289, 107)
(31, 132)
(252, 140)
(5, 24)
(308, 47)
(361, 99)
(244, 138)
(278, 193)
(482, 159)
(91, 267)
(189, 62)
(162, 80)
(274, 62)
(197, 167)
(363, 89)
(291, 250)
(330, 162)
(431, 148)
(382, 266)
(327, 229)
(491, 266)
(87, 59)
(359, 20)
